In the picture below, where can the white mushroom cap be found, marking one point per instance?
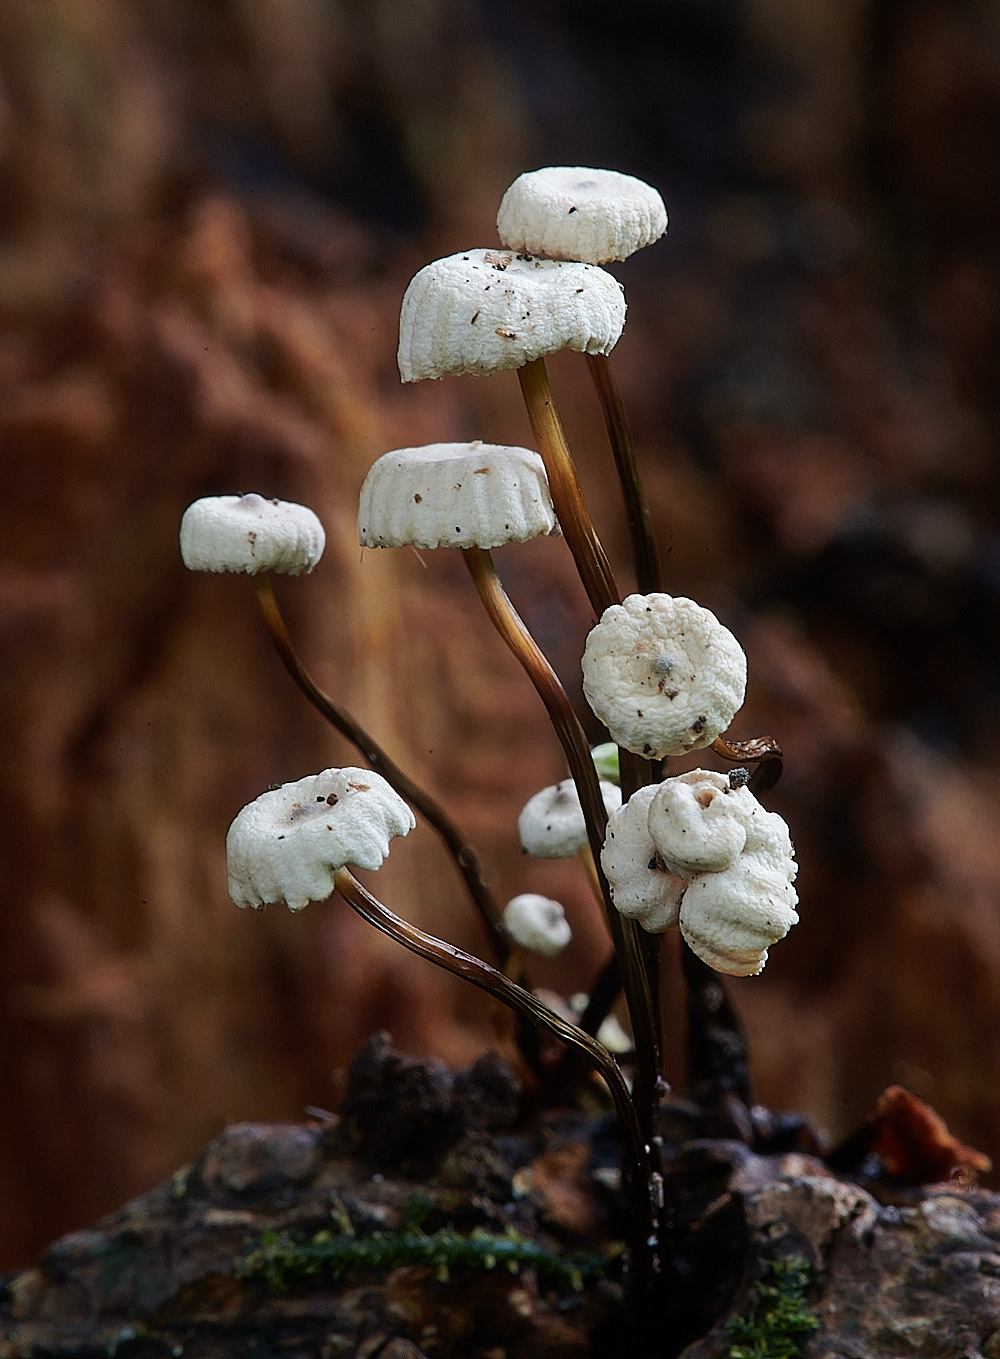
(699, 822)
(249, 534)
(487, 310)
(537, 923)
(663, 674)
(455, 495)
(572, 213)
(287, 844)
(551, 824)
(730, 919)
(642, 886)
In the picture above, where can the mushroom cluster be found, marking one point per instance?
(699, 851)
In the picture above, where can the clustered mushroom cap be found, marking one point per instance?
(699, 822)
(642, 886)
(657, 857)
(730, 919)
(249, 534)
(663, 674)
(455, 495)
(573, 213)
(287, 844)
(488, 310)
(537, 923)
(552, 825)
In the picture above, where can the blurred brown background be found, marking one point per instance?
(208, 212)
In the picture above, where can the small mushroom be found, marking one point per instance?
(698, 822)
(663, 674)
(730, 919)
(455, 495)
(485, 311)
(251, 535)
(287, 844)
(643, 887)
(574, 213)
(537, 923)
(551, 824)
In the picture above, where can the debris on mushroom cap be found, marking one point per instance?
(249, 534)
(455, 495)
(642, 886)
(488, 310)
(569, 212)
(287, 844)
(537, 923)
(730, 919)
(663, 674)
(551, 824)
(699, 822)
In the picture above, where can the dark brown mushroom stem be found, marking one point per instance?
(640, 525)
(636, 1153)
(567, 498)
(642, 1007)
(463, 854)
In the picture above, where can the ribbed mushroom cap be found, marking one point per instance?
(537, 923)
(569, 212)
(663, 674)
(698, 822)
(249, 534)
(455, 495)
(730, 919)
(551, 824)
(642, 886)
(287, 844)
(488, 310)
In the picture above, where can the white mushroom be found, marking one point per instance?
(573, 213)
(551, 824)
(642, 886)
(455, 495)
(698, 822)
(488, 310)
(730, 919)
(287, 844)
(249, 534)
(663, 674)
(537, 923)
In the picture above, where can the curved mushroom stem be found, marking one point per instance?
(567, 498)
(642, 1009)
(644, 554)
(764, 751)
(463, 854)
(638, 1172)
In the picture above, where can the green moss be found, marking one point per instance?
(778, 1320)
(281, 1263)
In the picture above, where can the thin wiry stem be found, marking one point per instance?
(574, 743)
(644, 554)
(463, 854)
(474, 970)
(567, 498)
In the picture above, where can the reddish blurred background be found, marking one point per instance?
(208, 214)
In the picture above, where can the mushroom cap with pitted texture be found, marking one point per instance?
(552, 825)
(455, 495)
(287, 844)
(569, 212)
(537, 923)
(730, 919)
(698, 821)
(663, 674)
(642, 886)
(249, 534)
(484, 311)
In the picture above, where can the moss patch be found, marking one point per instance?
(778, 1321)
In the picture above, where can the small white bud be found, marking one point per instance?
(537, 923)
(551, 824)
